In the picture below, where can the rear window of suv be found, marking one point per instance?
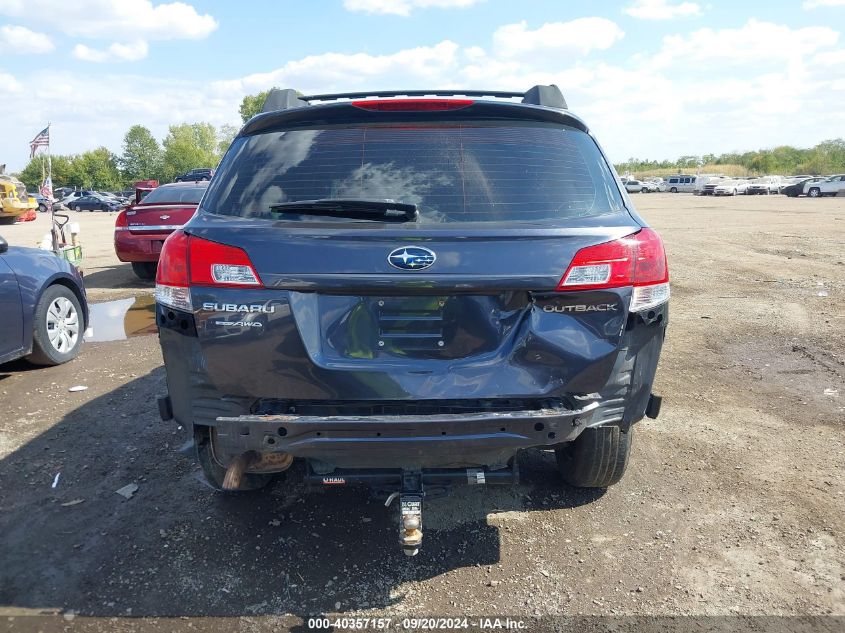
(453, 172)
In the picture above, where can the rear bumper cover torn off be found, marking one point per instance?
(402, 440)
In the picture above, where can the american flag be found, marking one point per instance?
(42, 139)
(47, 188)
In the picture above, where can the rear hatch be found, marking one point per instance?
(459, 301)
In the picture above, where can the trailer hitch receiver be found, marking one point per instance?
(409, 487)
(410, 508)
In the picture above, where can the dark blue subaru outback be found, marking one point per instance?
(404, 290)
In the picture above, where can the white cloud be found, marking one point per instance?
(756, 43)
(578, 36)
(830, 58)
(815, 4)
(115, 19)
(403, 7)
(130, 52)
(19, 39)
(10, 84)
(706, 91)
(662, 9)
(423, 66)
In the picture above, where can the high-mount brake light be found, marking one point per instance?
(412, 105)
(637, 260)
(187, 260)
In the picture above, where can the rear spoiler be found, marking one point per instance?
(547, 96)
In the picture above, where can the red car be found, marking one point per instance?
(141, 229)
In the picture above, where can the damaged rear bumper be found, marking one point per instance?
(401, 441)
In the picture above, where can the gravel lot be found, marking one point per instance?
(733, 503)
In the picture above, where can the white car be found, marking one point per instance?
(731, 187)
(636, 186)
(656, 184)
(727, 187)
(828, 187)
(765, 185)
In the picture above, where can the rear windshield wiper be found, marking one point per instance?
(384, 210)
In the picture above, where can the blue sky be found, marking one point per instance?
(653, 78)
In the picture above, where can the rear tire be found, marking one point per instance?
(77, 208)
(214, 473)
(814, 192)
(59, 326)
(597, 459)
(145, 270)
(673, 190)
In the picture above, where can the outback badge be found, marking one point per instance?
(411, 258)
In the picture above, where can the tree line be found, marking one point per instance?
(186, 146)
(827, 157)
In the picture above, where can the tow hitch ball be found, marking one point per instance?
(411, 531)
(410, 511)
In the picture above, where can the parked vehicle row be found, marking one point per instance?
(88, 200)
(719, 185)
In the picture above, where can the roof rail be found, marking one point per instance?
(548, 96)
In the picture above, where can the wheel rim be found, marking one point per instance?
(62, 325)
(813, 193)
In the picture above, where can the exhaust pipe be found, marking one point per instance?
(251, 460)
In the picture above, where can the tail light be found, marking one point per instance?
(637, 260)
(412, 105)
(187, 260)
(121, 222)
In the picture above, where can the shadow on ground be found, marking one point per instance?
(21, 365)
(178, 548)
(115, 278)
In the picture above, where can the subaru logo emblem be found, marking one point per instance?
(411, 258)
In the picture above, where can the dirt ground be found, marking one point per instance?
(733, 502)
